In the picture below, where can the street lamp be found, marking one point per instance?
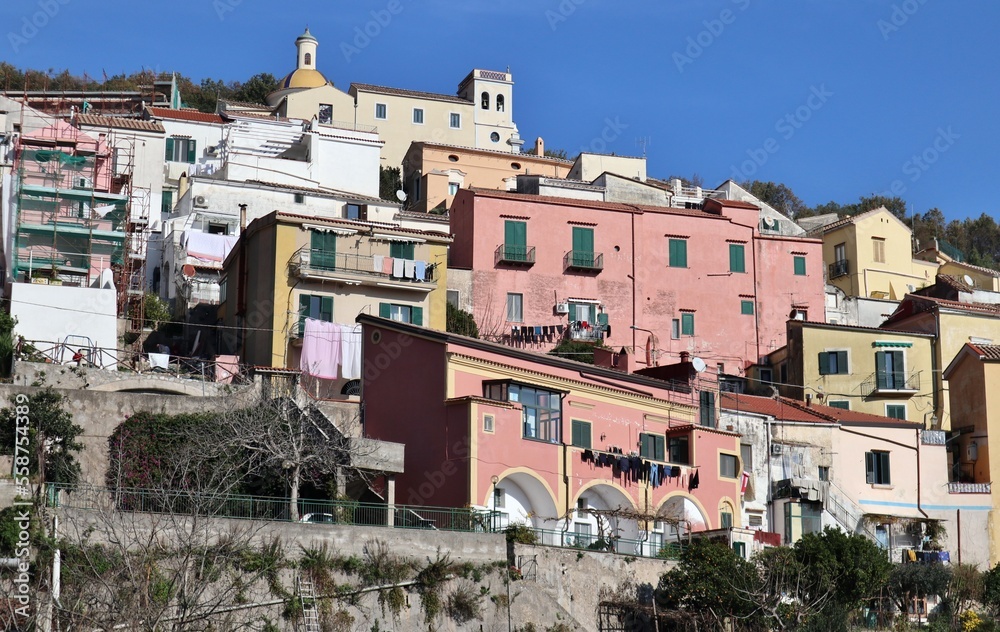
(496, 516)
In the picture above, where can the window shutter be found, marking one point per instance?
(602, 319)
(583, 239)
(898, 376)
(842, 362)
(384, 310)
(736, 263)
(869, 467)
(169, 155)
(417, 316)
(884, 458)
(303, 312)
(687, 324)
(824, 363)
(880, 369)
(572, 312)
(707, 409)
(192, 156)
(800, 266)
(660, 448)
(326, 309)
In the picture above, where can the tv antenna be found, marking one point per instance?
(643, 143)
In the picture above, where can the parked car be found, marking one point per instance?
(318, 518)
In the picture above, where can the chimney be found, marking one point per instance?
(539, 146)
(809, 399)
(243, 217)
(685, 356)
(183, 184)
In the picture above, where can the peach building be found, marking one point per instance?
(577, 452)
(662, 280)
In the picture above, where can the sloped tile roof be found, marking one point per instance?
(787, 409)
(399, 92)
(987, 352)
(96, 120)
(593, 204)
(186, 115)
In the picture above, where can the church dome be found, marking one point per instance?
(303, 78)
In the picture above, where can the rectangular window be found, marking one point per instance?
(581, 434)
(456, 121)
(357, 212)
(413, 314)
(840, 252)
(583, 246)
(833, 363)
(515, 308)
(499, 497)
(181, 150)
(840, 403)
(325, 116)
(300, 198)
(877, 468)
(678, 253)
(756, 520)
(418, 116)
(878, 249)
(166, 202)
(726, 519)
(453, 188)
(678, 449)
(687, 324)
(890, 370)
(651, 446)
(453, 298)
(746, 308)
(675, 328)
(322, 250)
(895, 411)
(746, 455)
(766, 376)
(380, 111)
(488, 421)
(737, 262)
(799, 265)
(823, 472)
(707, 408)
(315, 307)
(401, 250)
(728, 466)
(515, 241)
(584, 534)
(223, 290)
(541, 412)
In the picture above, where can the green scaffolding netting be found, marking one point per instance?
(45, 155)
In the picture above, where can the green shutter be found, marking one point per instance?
(417, 316)
(687, 324)
(746, 307)
(842, 362)
(167, 201)
(581, 434)
(824, 363)
(169, 154)
(400, 250)
(800, 265)
(583, 246)
(736, 262)
(303, 312)
(572, 312)
(660, 448)
(324, 250)
(843, 404)
(192, 156)
(384, 310)
(602, 319)
(326, 309)
(707, 408)
(882, 374)
(869, 467)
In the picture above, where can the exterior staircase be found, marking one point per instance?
(846, 512)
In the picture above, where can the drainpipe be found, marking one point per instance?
(756, 311)
(633, 280)
(935, 375)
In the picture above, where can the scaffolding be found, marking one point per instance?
(79, 221)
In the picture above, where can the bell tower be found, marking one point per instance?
(306, 45)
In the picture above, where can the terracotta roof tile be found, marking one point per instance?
(399, 92)
(513, 156)
(96, 120)
(989, 271)
(845, 221)
(787, 409)
(326, 192)
(733, 203)
(886, 330)
(970, 307)
(186, 115)
(955, 283)
(592, 204)
(987, 352)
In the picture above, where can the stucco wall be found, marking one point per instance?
(50, 313)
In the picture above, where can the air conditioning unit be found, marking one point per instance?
(199, 200)
(82, 183)
(211, 150)
(776, 449)
(562, 308)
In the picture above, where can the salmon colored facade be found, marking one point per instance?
(705, 282)
(474, 423)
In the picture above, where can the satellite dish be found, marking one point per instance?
(968, 280)
(188, 271)
(401, 195)
(769, 222)
(698, 364)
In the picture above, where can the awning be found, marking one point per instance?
(329, 229)
(399, 238)
(892, 343)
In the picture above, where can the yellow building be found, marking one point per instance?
(975, 408)
(951, 262)
(876, 371)
(433, 173)
(871, 255)
(286, 268)
(480, 114)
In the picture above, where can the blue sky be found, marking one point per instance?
(837, 99)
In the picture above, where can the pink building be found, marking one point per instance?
(703, 281)
(545, 441)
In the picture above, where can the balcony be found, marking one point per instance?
(891, 383)
(839, 268)
(583, 260)
(968, 488)
(593, 332)
(510, 254)
(351, 269)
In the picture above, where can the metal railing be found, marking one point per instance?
(969, 488)
(584, 260)
(612, 544)
(890, 382)
(272, 509)
(846, 512)
(593, 332)
(510, 253)
(365, 265)
(839, 268)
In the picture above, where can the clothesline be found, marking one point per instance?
(329, 349)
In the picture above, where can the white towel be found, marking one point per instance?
(159, 360)
(350, 357)
(397, 268)
(377, 261)
(410, 269)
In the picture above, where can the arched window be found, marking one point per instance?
(309, 59)
(486, 100)
(726, 514)
(500, 103)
